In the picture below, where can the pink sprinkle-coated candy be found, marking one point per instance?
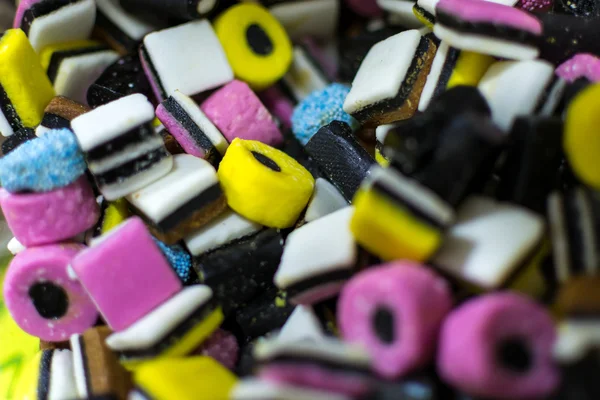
(580, 65)
(238, 113)
(395, 310)
(222, 346)
(499, 346)
(126, 274)
(535, 5)
(50, 217)
(487, 12)
(38, 276)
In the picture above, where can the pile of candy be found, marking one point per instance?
(311, 199)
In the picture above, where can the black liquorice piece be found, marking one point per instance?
(17, 139)
(122, 78)
(182, 9)
(341, 158)
(241, 270)
(529, 171)
(265, 313)
(464, 158)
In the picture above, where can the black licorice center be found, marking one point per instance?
(514, 354)
(258, 40)
(50, 300)
(383, 324)
(266, 161)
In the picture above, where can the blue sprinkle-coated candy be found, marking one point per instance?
(320, 108)
(178, 257)
(43, 164)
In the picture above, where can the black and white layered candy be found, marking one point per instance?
(514, 88)
(226, 228)
(575, 232)
(390, 79)
(188, 58)
(494, 246)
(74, 68)
(123, 30)
(174, 327)
(182, 200)
(123, 151)
(317, 18)
(191, 128)
(48, 22)
(318, 258)
(304, 76)
(182, 9)
(344, 367)
(257, 389)
(325, 200)
(302, 324)
(55, 378)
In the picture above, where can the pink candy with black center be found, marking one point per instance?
(50, 217)
(499, 346)
(395, 311)
(222, 346)
(238, 113)
(126, 274)
(580, 66)
(477, 11)
(42, 298)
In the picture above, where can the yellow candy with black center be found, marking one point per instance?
(257, 46)
(27, 89)
(581, 141)
(264, 184)
(193, 378)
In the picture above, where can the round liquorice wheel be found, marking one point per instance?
(257, 46)
(41, 296)
(395, 311)
(581, 142)
(264, 184)
(499, 346)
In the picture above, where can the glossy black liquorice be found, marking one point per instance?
(122, 78)
(341, 158)
(17, 139)
(241, 270)
(263, 314)
(533, 157)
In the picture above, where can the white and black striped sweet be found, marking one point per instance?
(514, 88)
(50, 376)
(226, 228)
(123, 30)
(314, 265)
(258, 389)
(390, 79)
(172, 328)
(49, 22)
(180, 202)
(342, 367)
(73, 67)
(183, 9)
(489, 28)
(123, 151)
(192, 129)
(187, 57)
(494, 246)
(575, 234)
